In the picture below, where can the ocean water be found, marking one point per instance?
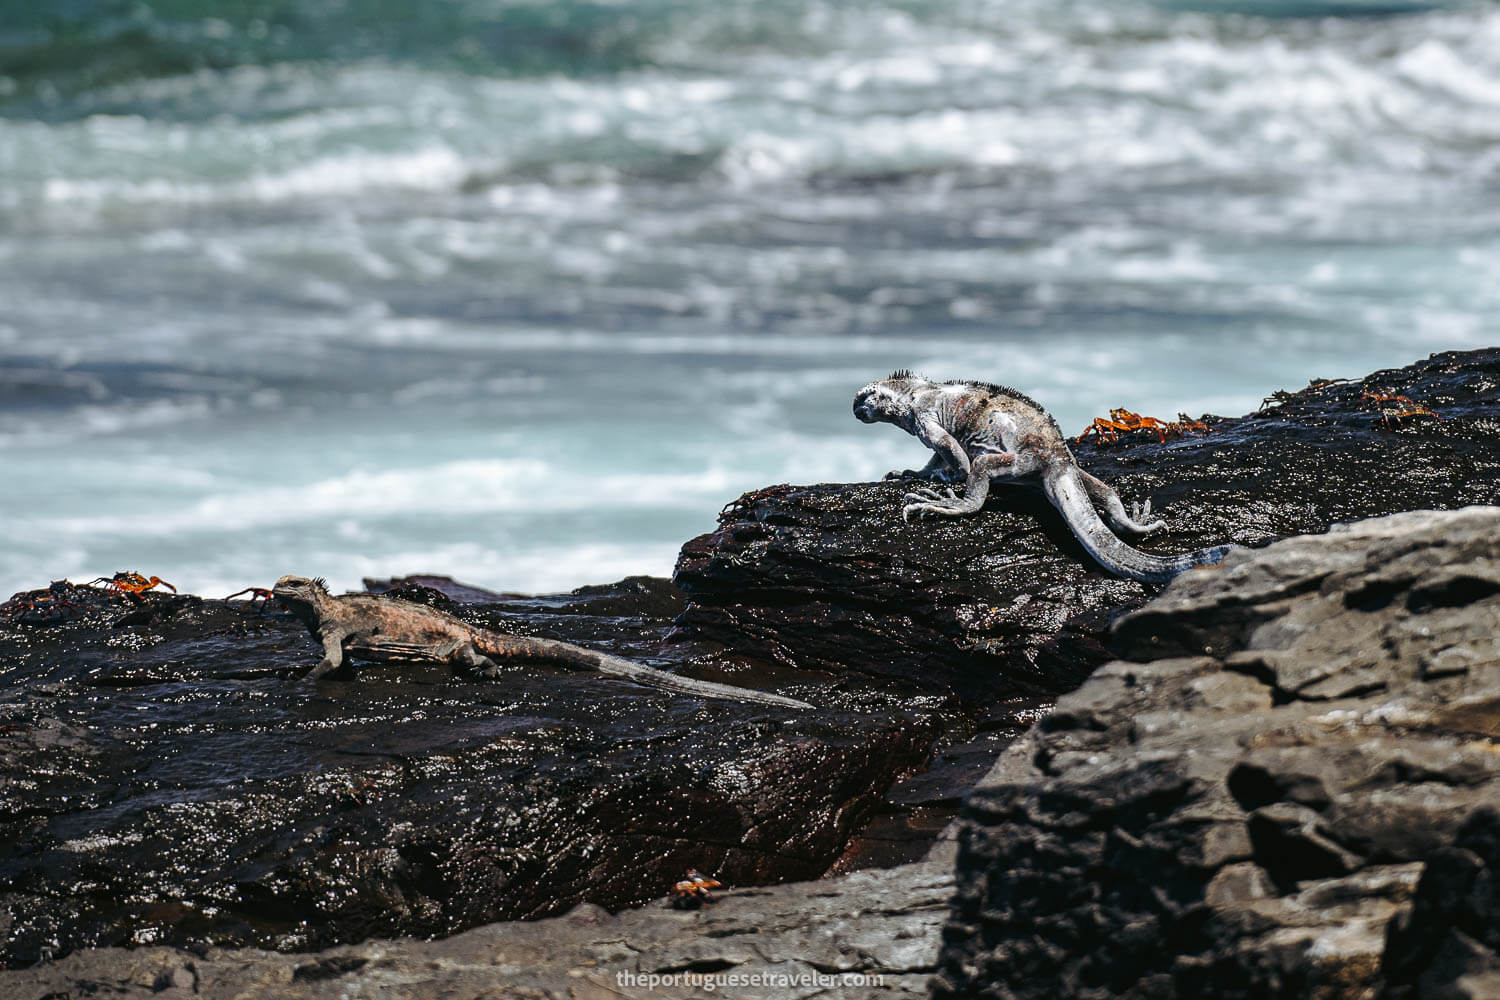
(523, 292)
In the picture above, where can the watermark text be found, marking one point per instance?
(708, 982)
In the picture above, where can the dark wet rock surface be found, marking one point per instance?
(165, 781)
(830, 578)
(1289, 787)
(866, 936)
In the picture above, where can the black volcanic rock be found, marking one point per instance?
(163, 780)
(866, 936)
(1306, 810)
(1287, 789)
(830, 578)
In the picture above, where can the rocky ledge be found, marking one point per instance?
(1288, 787)
(164, 779)
(829, 578)
(865, 936)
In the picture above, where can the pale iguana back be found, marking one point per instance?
(981, 432)
(375, 627)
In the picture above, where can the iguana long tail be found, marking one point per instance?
(555, 651)
(1066, 489)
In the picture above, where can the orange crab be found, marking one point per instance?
(38, 606)
(736, 507)
(1281, 396)
(256, 594)
(693, 891)
(1185, 424)
(360, 792)
(1390, 418)
(1122, 421)
(131, 582)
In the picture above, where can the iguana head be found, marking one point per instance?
(300, 588)
(888, 399)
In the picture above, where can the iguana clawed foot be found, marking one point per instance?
(1139, 512)
(923, 509)
(924, 494)
(926, 501)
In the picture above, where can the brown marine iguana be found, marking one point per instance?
(374, 627)
(981, 432)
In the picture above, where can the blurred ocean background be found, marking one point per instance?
(523, 292)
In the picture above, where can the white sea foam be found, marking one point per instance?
(1017, 99)
(534, 330)
(463, 488)
(433, 169)
(103, 420)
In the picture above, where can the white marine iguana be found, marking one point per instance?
(375, 627)
(980, 432)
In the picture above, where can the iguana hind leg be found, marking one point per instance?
(1114, 510)
(333, 657)
(478, 664)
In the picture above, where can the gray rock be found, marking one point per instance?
(863, 936)
(1287, 787)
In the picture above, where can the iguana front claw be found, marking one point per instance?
(927, 507)
(927, 494)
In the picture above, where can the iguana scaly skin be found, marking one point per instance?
(979, 433)
(373, 627)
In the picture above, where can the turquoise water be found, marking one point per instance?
(524, 292)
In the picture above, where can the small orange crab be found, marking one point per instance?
(1281, 396)
(735, 508)
(693, 891)
(360, 792)
(131, 582)
(1185, 424)
(1390, 418)
(256, 594)
(1122, 421)
(44, 606)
